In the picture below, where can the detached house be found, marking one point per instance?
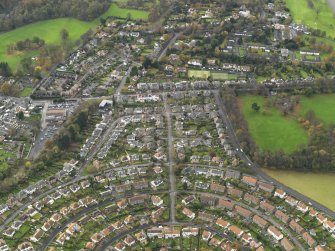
(275, 233)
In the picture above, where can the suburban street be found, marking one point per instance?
(263, 215)
(172, 178)
(155, 125)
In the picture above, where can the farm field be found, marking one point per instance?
(322, 105)
(270, 130)
(302, 13)
(315, 186)
(49, 30)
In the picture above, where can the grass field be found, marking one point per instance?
(115, 11)
(322, 105)
(223, 76)
(302, 13)
(26, 92)
(198, 74)
(272, 131)
(215, 75)
(315, 186)
(49, 31)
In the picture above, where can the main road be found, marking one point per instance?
(256, 168)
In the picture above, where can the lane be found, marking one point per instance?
(172, 178)
(162, 53)
(123, 81)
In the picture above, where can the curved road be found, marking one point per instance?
(263, 215)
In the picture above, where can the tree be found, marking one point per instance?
(82, 120)
(134, 71)
(5, 89)
(5, 70)
(74, 131)
(27, 65)
(255, 107)
(64, 34)
(129, 16)
(64, 141)
(103, 21)
(20, 115)
(147, 63)
(185, 186)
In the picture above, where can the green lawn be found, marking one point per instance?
(26, 92)
(322, 105)
(203, 74)
(223, 76)
(270, 130)
(198, 74)
(302, 13)
(49, 31)
(315, 186)
(115, 11)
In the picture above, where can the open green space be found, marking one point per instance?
(198, 74)
(116, 11)
(270, 129)
(26, 92)
(203, 74)
(323, 107)
(319, 17)
(49, 31)
(315, 186)
(223, 76)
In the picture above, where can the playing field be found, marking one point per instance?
(316, 186)
(198, 74)
(223, 76)
(49, 31)
(320, 17)
(271, 130)
(202, 74)
(322, 105)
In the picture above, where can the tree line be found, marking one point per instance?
(25, 45)
(22, 12)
